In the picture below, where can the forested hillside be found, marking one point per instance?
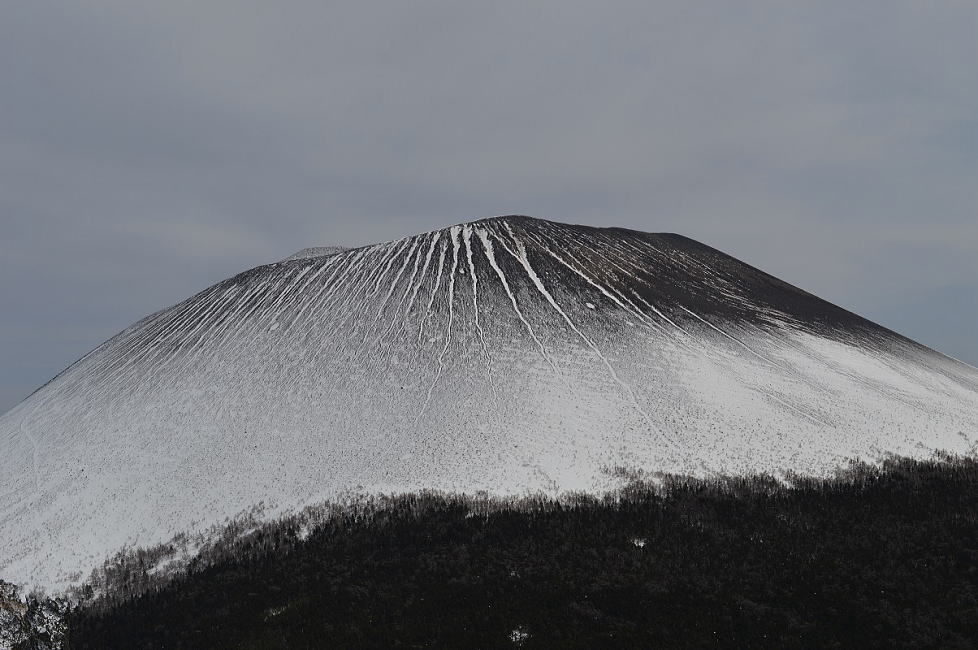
(880, 557)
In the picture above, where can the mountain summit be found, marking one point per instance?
(506, 354)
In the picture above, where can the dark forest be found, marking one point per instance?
(878, 556)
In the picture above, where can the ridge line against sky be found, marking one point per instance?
(148, 150)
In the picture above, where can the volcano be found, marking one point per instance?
(509, 355)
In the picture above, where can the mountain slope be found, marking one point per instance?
(507, 354)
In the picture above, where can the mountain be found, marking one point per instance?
(507, 354)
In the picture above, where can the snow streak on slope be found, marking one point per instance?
(507, 354)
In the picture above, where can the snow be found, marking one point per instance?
(519, 636)
(385, 368)
(318, 251)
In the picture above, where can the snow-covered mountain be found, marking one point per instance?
(507, 354)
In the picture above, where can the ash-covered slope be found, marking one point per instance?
(507, 354)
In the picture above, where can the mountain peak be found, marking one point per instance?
(507, 354)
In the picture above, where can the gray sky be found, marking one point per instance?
(148, 150)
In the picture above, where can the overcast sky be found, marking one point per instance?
(148, 150)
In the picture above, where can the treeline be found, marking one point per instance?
(879, 556)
